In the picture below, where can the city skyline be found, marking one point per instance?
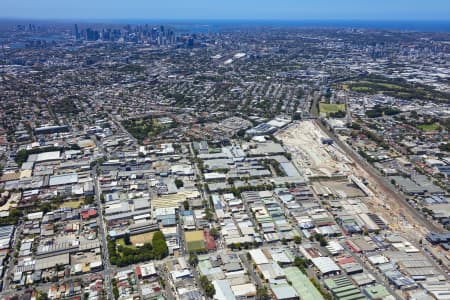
(401, 10)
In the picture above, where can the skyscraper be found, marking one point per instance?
(77, 34)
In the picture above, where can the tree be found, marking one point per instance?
(374, 113)
(41, 296)
(160, 249)
(262, 294)
(301, 263)
(89, 200)
(321, 239)
(288, 155)
(45, 207)
(209, 214)
(338, 114)
(214, 232)
(355, 126)
(193, 259)
(126, 239)
(240, 133)
(297, 239)
(323, 242)
(186, 205)
(179, 183)
(115, 291)
(21, 157)
(445, 147)
(207, 286)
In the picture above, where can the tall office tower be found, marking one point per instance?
(77, 34)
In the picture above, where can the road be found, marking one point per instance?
(251, 270)
(198, 176)
(9, 270)
(103, 236)
(119, 124)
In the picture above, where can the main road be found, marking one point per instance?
(102, 234)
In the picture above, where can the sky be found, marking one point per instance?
(437, 10)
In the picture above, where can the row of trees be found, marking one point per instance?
(238, 190)
(379, 111)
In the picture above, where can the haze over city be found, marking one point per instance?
(229, 10)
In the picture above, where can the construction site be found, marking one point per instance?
(313, 155)
(334, 174)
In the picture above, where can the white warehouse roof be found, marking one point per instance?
(325, 265)
(63, 179)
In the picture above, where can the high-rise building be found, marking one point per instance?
(77, 34)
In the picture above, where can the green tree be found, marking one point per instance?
(179, 183)
(115, 291)
(214, 232)
(160, 249)
(193, 259)
(41, 296)
(207, 286)
(445, 147)
(126, 239)
(21, 157)
(209, 214)
(301, 263)
(186, 205)
(262, 294)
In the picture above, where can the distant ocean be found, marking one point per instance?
(204, 26)
(217, 25)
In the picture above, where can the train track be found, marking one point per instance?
(390, 191)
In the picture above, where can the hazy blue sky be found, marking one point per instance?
(228, 9)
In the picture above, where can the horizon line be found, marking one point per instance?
(64, 20)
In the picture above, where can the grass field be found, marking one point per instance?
(137, 239)
(196, 246)
(195, 240)
(71, 204)
(429, 127)
(361, 89)
(331, 108)
(398, 88)
(141, 238)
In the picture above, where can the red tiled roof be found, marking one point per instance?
(346, 260)
(210, 243)
(88, 214)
